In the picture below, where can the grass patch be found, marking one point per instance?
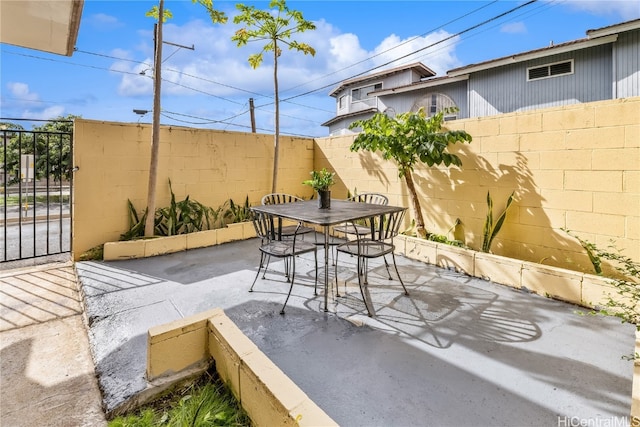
(206, 401)
(15, 200)
(94, 254)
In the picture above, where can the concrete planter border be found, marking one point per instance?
(584, 289)
(165, 245)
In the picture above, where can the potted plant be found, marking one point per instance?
(321, 181)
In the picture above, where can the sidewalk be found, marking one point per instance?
(47, 375)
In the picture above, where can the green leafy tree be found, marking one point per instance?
(275, 28)
(50, 144)
(410, 138)
(56, 157)
(9, 160)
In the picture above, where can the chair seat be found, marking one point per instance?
(290, 230)
(284, 249)
(368, 248)
(360, 230)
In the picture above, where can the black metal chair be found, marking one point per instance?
(267, 230)
(279, 198)
(378, 243)
(363, 226)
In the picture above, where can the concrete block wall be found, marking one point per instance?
(575, 167)
(209, 166)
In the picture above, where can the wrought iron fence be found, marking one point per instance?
(35, 167)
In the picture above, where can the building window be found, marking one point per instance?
(342, 102)
(362, 93)
(434, 102)
(550, 70)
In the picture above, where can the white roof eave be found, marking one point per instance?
(534, 55)
(422, 85)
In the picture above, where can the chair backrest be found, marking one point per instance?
(279, 198)
(388, 225)
(266, 227)
(375, 198)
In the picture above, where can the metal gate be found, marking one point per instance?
(37, 181)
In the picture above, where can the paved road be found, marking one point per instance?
(24, 238)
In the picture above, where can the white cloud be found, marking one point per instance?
(435, 50)
(345, 50)
(625, 9)
(514, 28)
(52, 112)
(103, 22)
(22, 92)
(43, 114)
(30, 102)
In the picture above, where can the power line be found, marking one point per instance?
(288, 100)
(182, 73)
(396, 46)
(419, 50)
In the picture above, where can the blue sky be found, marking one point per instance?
(210, 86)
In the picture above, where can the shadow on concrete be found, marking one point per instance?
(456, 351)
(37, 382)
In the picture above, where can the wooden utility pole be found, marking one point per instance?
(252, 112)
(149, 224)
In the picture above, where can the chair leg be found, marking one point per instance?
(293, 275)
(266, 266)
(365, 268)
(315, 286)
(335, 274)
(386, 264)
(258, 273)
(399, 278)
(364, 300)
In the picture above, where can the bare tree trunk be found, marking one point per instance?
(276, 150)
(149, 224)
(417, 211)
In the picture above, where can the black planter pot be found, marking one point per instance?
(324, 199)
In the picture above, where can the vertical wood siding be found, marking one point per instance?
(626, 57)
(502, 90)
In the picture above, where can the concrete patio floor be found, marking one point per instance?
(457, 351)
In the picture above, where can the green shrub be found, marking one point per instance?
(623, 274)
(180, 217)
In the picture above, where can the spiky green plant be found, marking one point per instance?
(239, 213)
(491, 229)
(180, 217)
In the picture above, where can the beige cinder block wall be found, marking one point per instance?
(209, 166)
(574, 167)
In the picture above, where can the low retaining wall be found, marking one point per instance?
(142, 248)
(264, 391)
(584, 289)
